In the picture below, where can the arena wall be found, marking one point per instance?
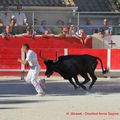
(10, 51)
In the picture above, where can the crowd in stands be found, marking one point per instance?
(16, 24)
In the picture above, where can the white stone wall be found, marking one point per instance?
(98, 42)
(116, 40)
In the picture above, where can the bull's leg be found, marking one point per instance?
(78, 83)
(86, 77)
(94, 78)
(71, 81)
(92, 74)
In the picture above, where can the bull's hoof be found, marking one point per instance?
(83, 87)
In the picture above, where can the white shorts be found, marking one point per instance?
(32, 77)
(33, 74)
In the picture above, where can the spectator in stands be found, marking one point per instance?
(13, 26)
(97, 39)
(29, 32)
(96, 32)
(65, 32)
(69, 22)
(83, 37)
(21, 18)
(5, 18)
(58, 28)
(88, 27)
(106, 29)
(72, 30)
(8, 31)
(1, 27)
(44, 28)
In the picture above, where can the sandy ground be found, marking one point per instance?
(62, 102)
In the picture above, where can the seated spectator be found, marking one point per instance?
(8, 31)
(5, 16)
(44, 27)
(58, 28)
(69, 22)
(21, 18)
(72, 30)
(13, 26)
(83, 37)
(29, 32)
(1, 27)
(65, 33)
(106, 29)
(97, 39)
(97, 32)
(88, 27)
(35, 25)
(1, 23)
(46, 34)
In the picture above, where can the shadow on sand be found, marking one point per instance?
(8, 89)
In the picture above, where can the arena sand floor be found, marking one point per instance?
(62, 102)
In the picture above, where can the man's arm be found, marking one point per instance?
(25, 62)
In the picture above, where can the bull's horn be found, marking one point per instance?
(45, 59)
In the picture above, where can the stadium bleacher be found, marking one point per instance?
(83, 5)
(94, 5)
(36, 2)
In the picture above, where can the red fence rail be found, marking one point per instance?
(115, 59)
(44, 42)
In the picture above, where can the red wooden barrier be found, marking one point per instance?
(10, 50)
(115, 59)
(8, 58)
(95, 52)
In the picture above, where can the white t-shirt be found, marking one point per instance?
(31, 57)
(6, 18)
(20, 18)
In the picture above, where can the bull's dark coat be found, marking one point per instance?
(72, 65)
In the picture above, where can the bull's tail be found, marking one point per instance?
(104, 71)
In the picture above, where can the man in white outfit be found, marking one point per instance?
(32, 76)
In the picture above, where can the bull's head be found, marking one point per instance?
(50, 65)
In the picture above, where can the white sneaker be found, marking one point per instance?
(41, 94)
(43, 83)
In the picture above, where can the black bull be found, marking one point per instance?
(69, 67)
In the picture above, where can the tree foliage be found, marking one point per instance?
(117, 2)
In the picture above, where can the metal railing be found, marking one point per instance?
(62, 18)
